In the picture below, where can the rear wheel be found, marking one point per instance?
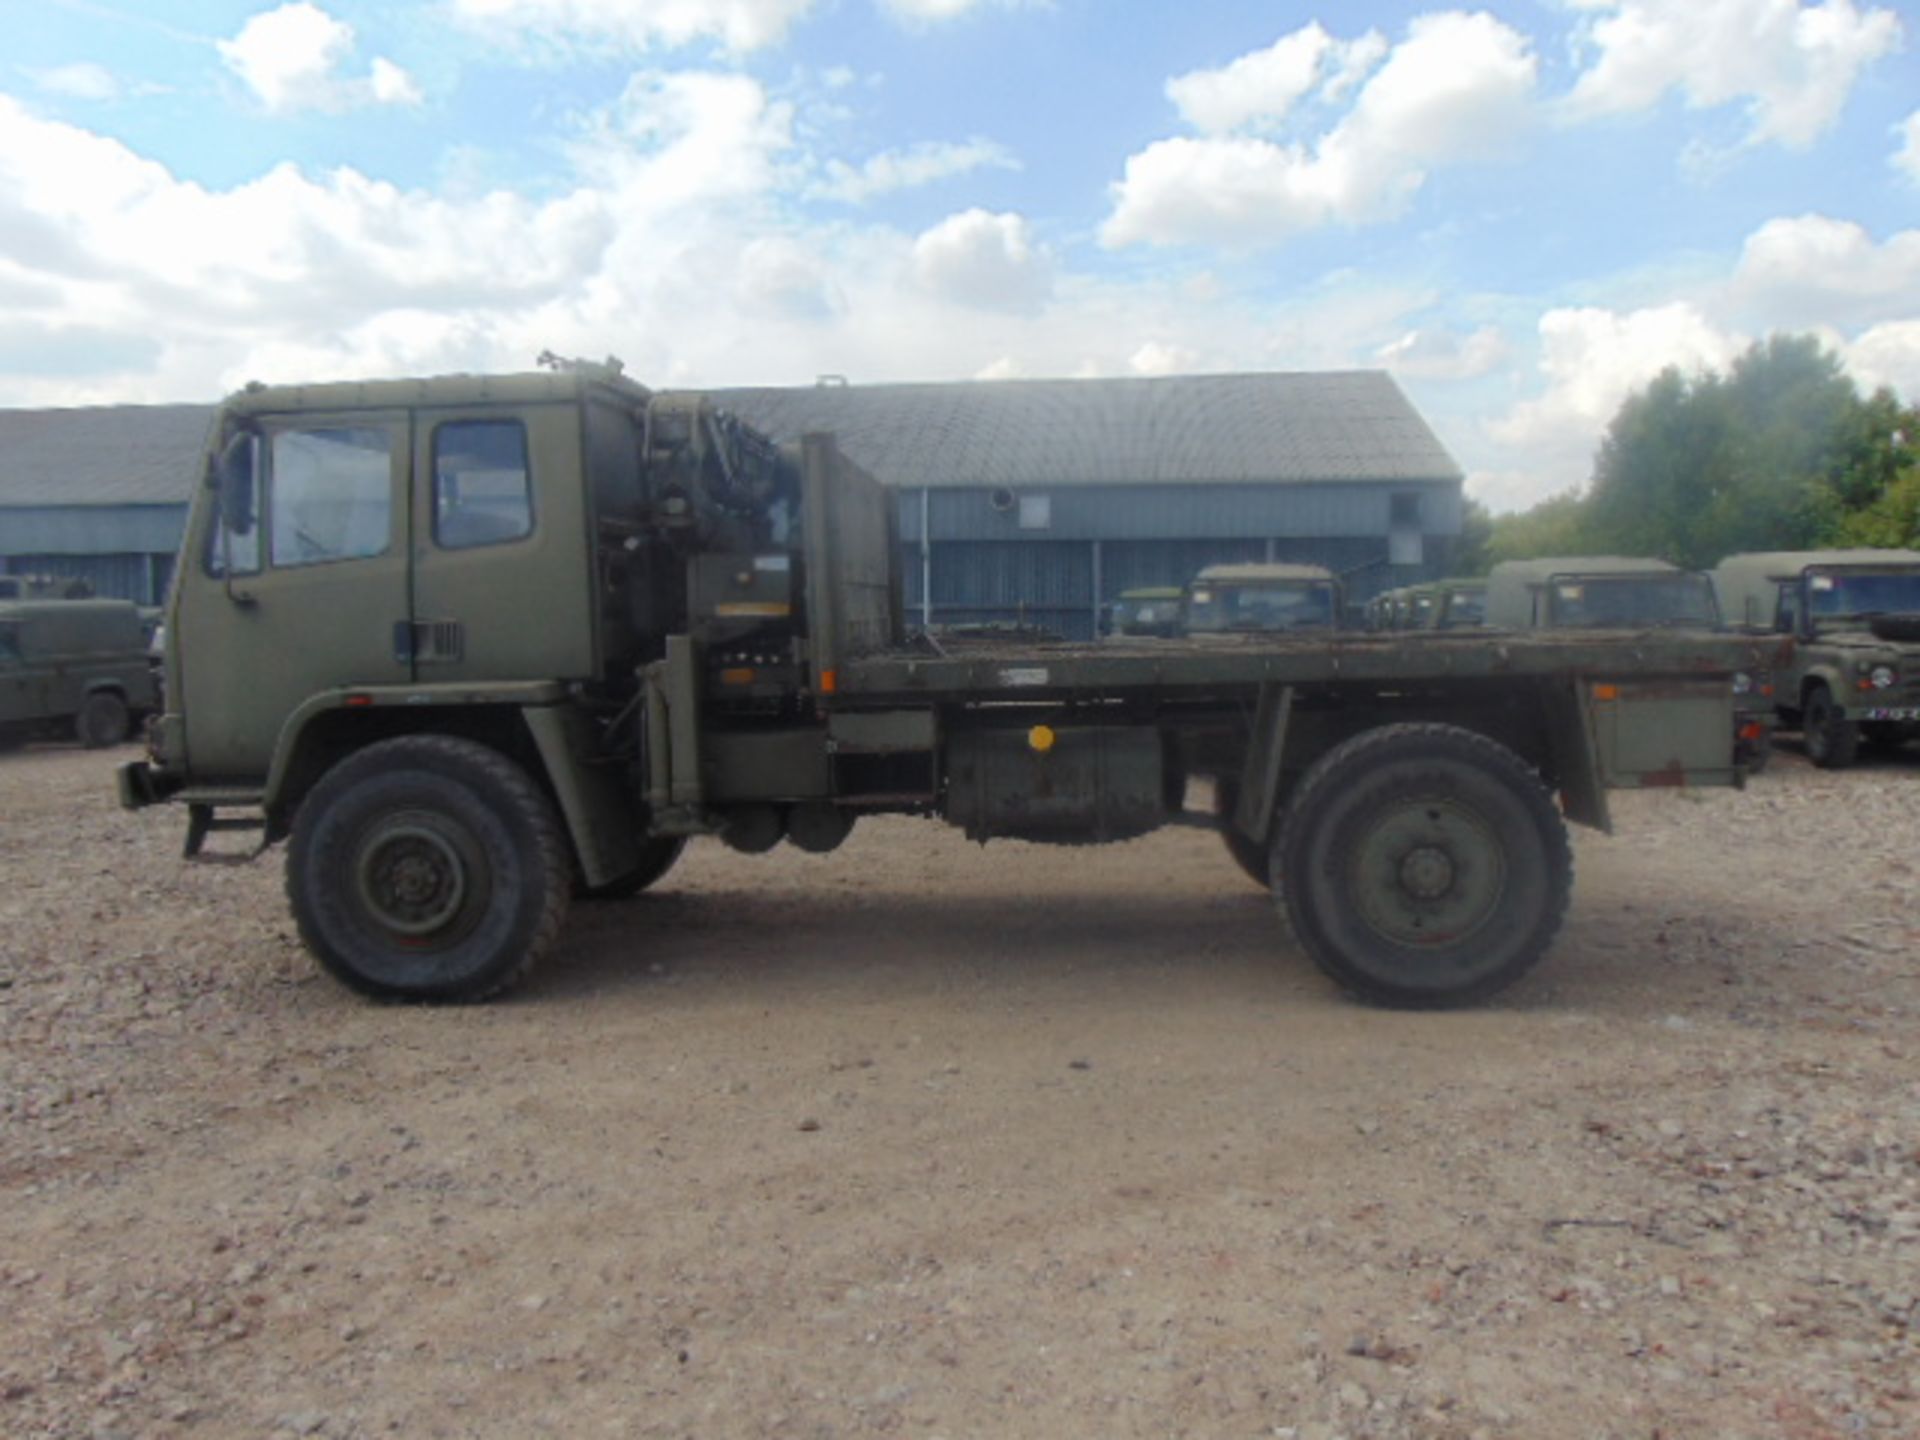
(1833, 741)
(102, 721)
(427, 868)
(1424, 866)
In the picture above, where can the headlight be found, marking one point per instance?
(1882, 677)
(1742, 683)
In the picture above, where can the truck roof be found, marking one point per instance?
(534, 386)
(1744, 584)
(1545, 567)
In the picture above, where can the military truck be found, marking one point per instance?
(72, 667)
(1570, 592)
(1148, 610)
(1855, 617)
(474, 646)
(1241, 598)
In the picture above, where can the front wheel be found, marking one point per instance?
(427, 868)
(1833, 741)
(1424, 866)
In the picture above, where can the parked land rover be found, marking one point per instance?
(72, 667)
(1227, 599)
(1855, 617)
(1615, 592)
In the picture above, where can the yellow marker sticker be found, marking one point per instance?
(1041, 738)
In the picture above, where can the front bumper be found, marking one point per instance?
(140, 785)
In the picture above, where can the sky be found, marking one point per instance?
(1523, 211)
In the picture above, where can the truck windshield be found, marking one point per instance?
(1273, 605)
(1841, 598)
(1465, 610)
(1633, 602)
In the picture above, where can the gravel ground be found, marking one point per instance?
(927, 1140)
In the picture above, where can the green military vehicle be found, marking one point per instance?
(1855, 618)
(44, 587)
(1148, 610)
(473, 646)
(1435, 605)
(72, 667)
(1615, 592)
(1251, 598)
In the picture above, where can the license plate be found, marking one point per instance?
(1899, 712)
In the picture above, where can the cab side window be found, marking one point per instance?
(482, 492)
(9, 646)
(331, 496)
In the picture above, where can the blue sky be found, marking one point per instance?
(1524, 210)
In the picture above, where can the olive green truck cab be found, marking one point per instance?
(476, 646)
(72, 668)
(1854, 618)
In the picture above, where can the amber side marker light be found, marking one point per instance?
(1606, 692)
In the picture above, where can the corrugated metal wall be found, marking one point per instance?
(1154, 512)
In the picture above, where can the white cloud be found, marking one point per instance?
(1793, 65)
(290, 58)
(639, 25)
(1458, 88)
(930, 11)
(82, 81)
(1907, 158)
(1444, 354)
(1888, 355)
(914, 166)
(1157, 358)
(1261, 89)
(1811, 270)
(982, 260)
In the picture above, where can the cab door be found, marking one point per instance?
(306, 591)
(503, 546)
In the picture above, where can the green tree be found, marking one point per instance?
(1553, 527)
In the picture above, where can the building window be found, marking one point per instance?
(1036, 512)
(1404, 512)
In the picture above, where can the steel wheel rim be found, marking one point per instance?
(411, 877)
(1427, 874)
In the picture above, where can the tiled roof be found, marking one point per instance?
(1189, 429)
(101, 455)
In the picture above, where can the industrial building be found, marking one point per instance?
(1022, 501)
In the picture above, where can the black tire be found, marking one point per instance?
(427, 868)
(1833, 741)
(103, 720)
(1424, 866)
(657, 857)
(1250, 855)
